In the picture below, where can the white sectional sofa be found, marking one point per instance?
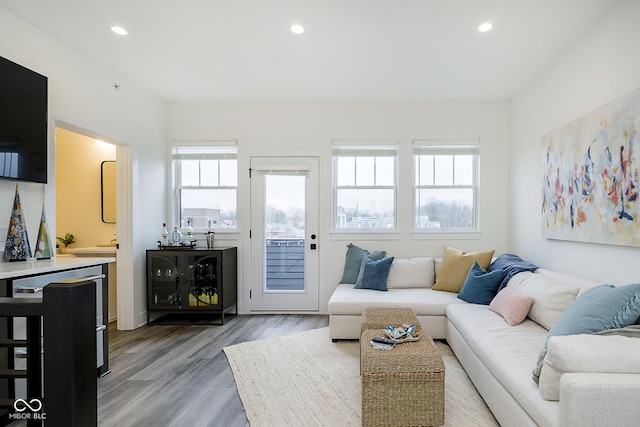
(600, 389)
(409, 284)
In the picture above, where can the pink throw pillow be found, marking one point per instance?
(512, 305)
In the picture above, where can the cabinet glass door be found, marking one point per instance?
(203, 281)
(164, 275)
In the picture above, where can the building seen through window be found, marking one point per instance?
(206, 186)
(445, 185)
(365, 187)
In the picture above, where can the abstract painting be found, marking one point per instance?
(590, 176)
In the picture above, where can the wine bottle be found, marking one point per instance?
(164, 239)
(189, 238)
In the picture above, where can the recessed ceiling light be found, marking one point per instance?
(297, 29)
(484, 27)
(119, 30)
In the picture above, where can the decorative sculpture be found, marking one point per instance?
(43, 244)
(17, 246)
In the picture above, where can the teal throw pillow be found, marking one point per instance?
(373, 274)
(600, 308)
(353, 260)
(480, 287)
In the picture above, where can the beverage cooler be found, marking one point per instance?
(32, 287)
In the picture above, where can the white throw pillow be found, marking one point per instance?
(614, 354)
(437, 263)
(411, 273)
(549, 299)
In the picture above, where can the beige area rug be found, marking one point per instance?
(304, 379)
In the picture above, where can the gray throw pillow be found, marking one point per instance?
(353, 261)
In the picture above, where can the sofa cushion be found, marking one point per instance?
(353, 260)
(480, 286)
(456, 265)
(550, 299)
(568, 280)
(507, 353)
(423, 301)
(587, 353)
(411, 273)
(373, 274)
(512, 305)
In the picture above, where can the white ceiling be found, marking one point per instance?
(239, 50)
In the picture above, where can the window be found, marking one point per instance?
(206, 186)
(365, 188)
(445, 185)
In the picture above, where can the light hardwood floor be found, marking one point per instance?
(178, 375)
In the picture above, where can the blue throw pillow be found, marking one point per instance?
(373, 274)
(480, 287)
(598, 309)
(353, 260)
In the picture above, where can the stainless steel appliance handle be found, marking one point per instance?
(98, 277)
(101, 328)
(27, 290)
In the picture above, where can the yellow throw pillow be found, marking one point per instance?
(456, 265)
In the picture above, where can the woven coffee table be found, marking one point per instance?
(403, 386)
(381, 317)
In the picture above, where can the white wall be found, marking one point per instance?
(82, 93)
(299, 128)
(598, 68)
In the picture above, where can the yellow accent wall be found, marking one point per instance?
(78, 203)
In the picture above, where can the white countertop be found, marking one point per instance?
(93, 250)
(13, 269)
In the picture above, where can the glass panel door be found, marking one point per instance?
(284, 224)
(284, 237)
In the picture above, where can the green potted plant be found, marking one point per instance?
(66, 241)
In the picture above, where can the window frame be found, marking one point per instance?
(442, 147)
(207, 150)
(365, 149)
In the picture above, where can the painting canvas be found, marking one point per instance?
(590, 174)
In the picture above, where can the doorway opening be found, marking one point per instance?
(81, 189)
